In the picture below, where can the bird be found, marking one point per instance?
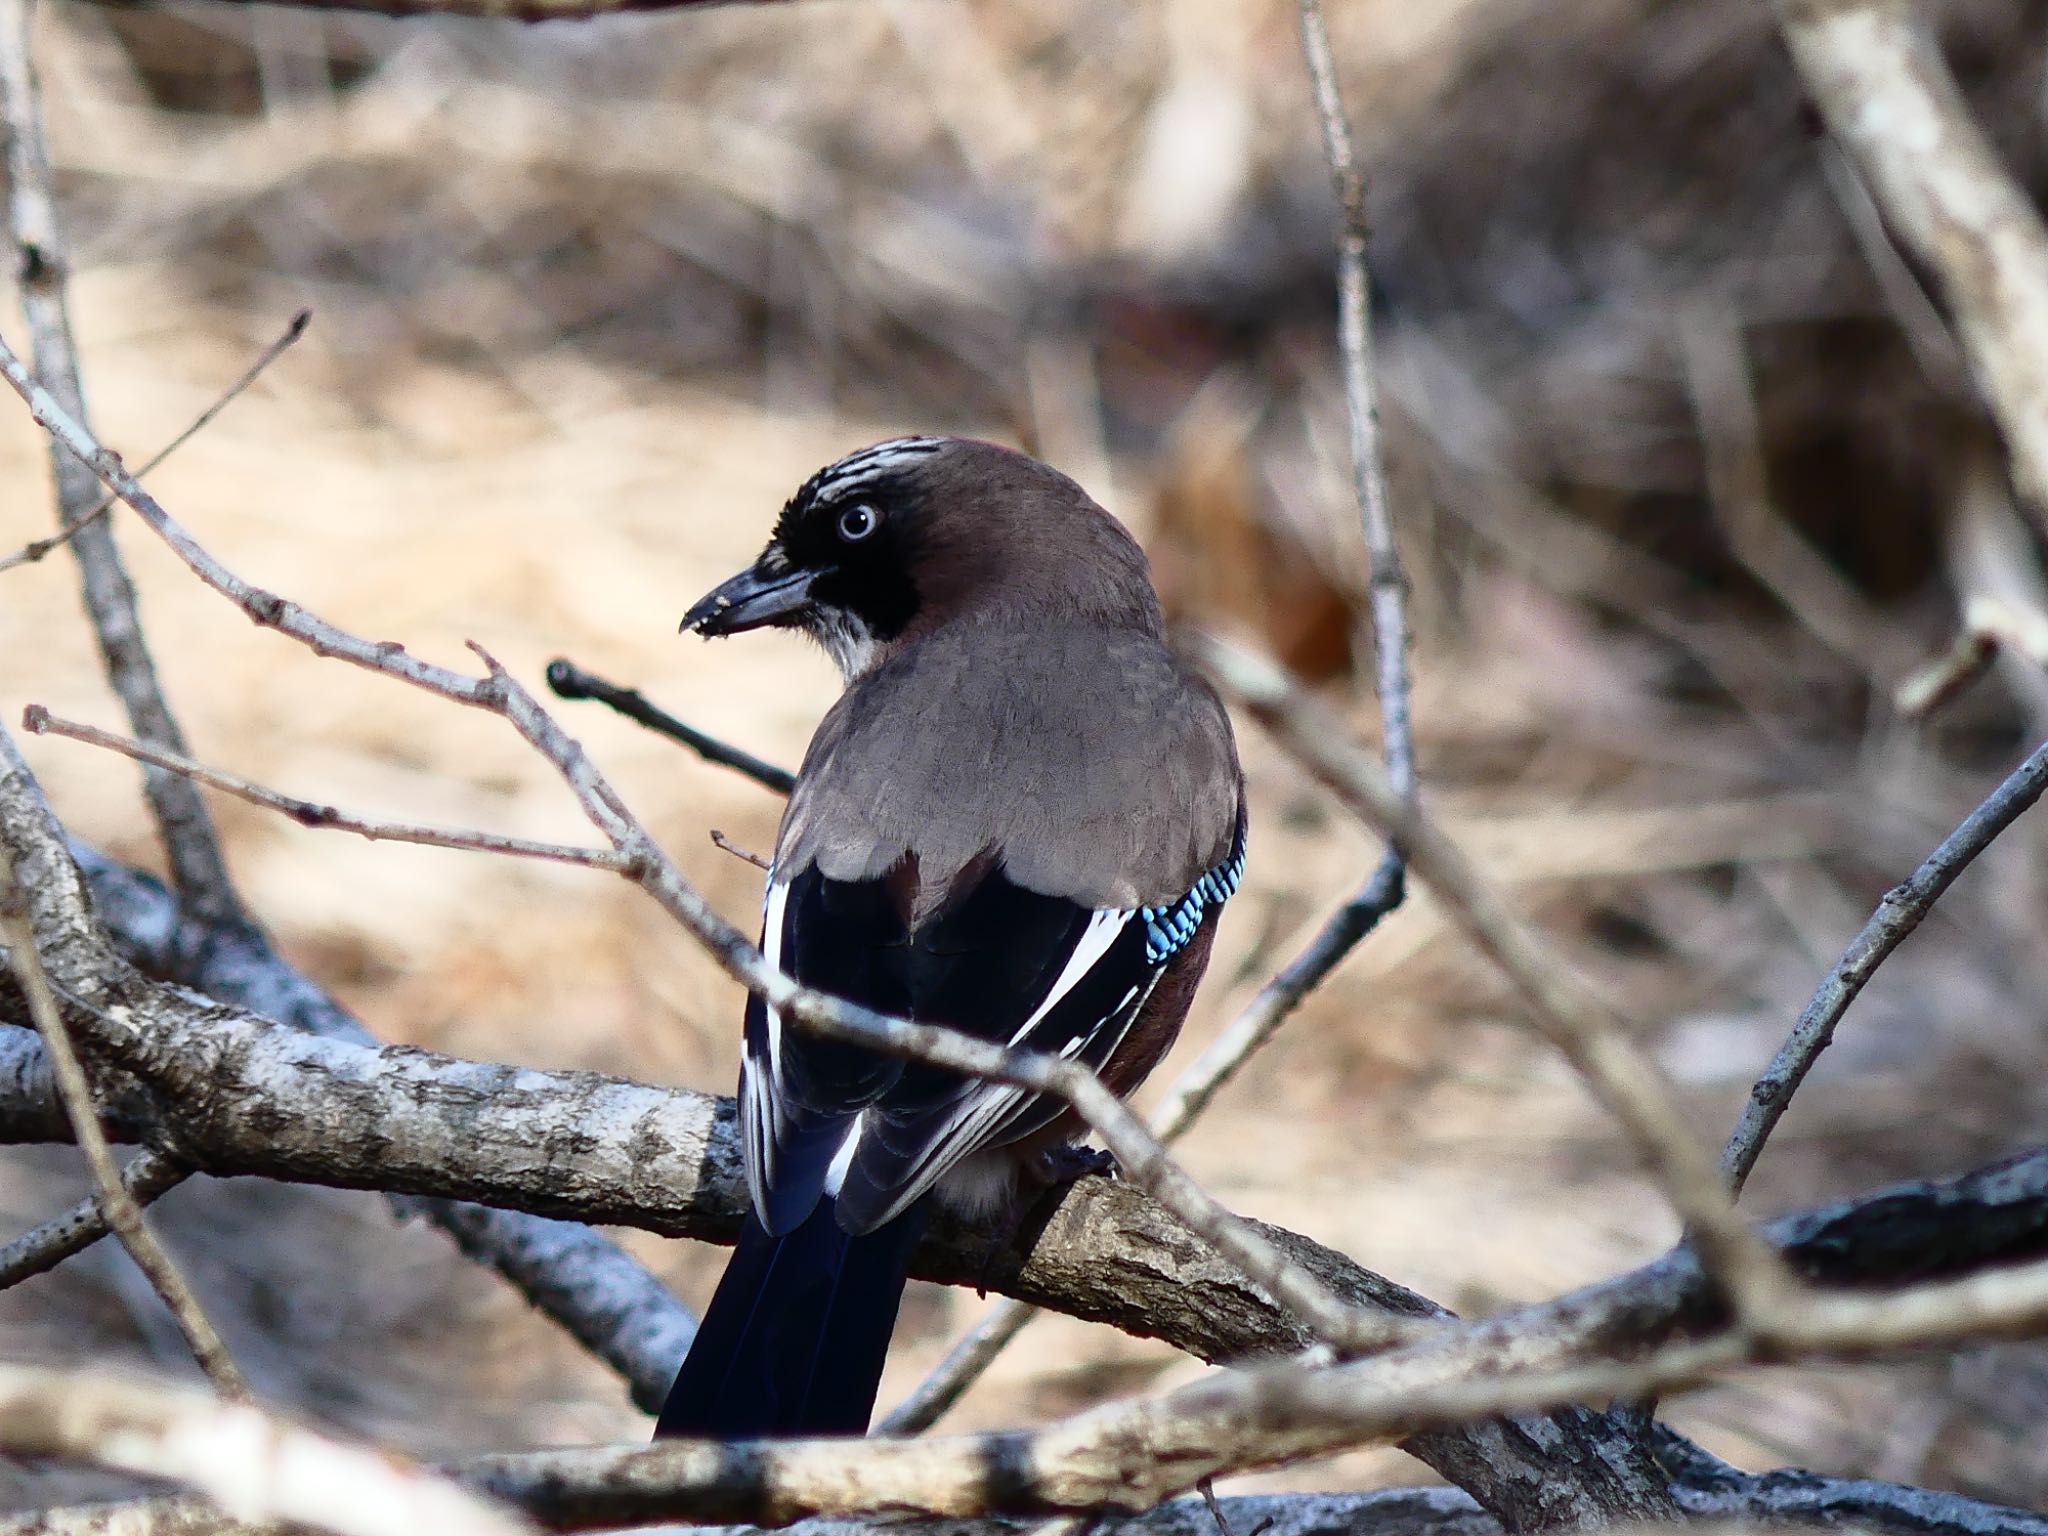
(1020, 820)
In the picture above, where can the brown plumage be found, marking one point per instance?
(1019, 821)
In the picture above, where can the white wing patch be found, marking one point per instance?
(760, 1081)
(1101, 932)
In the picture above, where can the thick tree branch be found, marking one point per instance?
(603, 1297)
(667, 1160)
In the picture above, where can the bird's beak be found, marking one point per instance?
(755, 597)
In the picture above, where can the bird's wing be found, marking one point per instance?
(998, 961)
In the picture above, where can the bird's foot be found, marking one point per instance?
(1044, 1174)
(1055, 1167)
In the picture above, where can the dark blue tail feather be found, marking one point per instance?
(794, 1339)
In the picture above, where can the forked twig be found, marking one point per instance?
(118, 1208)
(37, 549)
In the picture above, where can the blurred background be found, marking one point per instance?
(1684, 466)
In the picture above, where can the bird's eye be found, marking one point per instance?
(857, 522)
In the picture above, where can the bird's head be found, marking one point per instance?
(899, 538)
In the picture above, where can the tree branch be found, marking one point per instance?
(600, 1295)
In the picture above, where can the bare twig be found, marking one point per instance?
(198, 868)
(1384, 888)
(720, 840)
(255, 1466)
(148, 1177)
(570, 681)
(1136, 1150)
(1897, 915)
(1591, 1037)
(37, 549)
(1361, 397)
(117, 1206)
(312, 813)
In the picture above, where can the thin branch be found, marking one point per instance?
(37, 549)
(747, 855)
(1621, 1076)
(117, 1206)
(570, 681)
(963, 1364)
(256, 1466)
(1901, 911)
(1361, 396)
(311, 813)
(1225, 1056)
(198, 868)
(148, 1177)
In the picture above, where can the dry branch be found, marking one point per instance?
(39, 549)
(600, 1295)
(147, 1179)
(1878, 79)
(1621, 1076)
(569, 681)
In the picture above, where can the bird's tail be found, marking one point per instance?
(794, 1338)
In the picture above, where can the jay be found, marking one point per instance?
(1020, 821)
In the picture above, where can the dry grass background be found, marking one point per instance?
(590, 300)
